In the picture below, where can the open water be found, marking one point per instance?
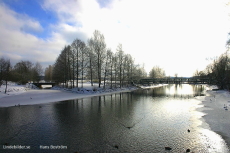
(140, 121)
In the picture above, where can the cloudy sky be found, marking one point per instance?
(177, 35)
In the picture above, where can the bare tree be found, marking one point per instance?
(91, 56)
(106, 65)
(220, 71)
(37, 71)
(48, 73)
(2, 70)
(76, 47)
(115, 63)
(157, 72)
(120, 61)
(5, 67)
(139, 72)
(23, 71)
(128, 68)
(99, 47)
(110, 59)
(83, 54)
(176, 75)
(93, 61)
(7, 73)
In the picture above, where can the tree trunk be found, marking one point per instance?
(73, 70)
(91, 72)
(111, 79)
(77, 68)
(99, 70)
(82, 68)
(6, 86)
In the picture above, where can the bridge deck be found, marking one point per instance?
(175, 81)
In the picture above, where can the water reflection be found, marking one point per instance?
(180, 90)
(140, 121)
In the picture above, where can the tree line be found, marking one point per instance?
(218, 72)
(93, 61)
(22, 72)
(157, 72)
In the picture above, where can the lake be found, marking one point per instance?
(140, 121)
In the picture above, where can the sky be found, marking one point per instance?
(180, 36)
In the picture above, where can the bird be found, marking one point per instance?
(188, 130)
(116, 146)
(168, 148)
(129, 127)
(188, 150)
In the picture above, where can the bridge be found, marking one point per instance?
(175, 80)
(39, 85)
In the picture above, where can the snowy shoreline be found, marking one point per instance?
(217, 115)
(41, 96)
(21, 95)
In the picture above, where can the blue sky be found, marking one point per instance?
(33, 9)
(176, 35)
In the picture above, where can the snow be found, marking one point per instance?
(29, 94)
(216, 107)
(153, 86)
(12, 89)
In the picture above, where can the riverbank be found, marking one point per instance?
(152, 86)
(41, 96)
(23, 95)
(216, 106)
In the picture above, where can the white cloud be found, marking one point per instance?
(171, 34)
(17, 44)
(15, 21)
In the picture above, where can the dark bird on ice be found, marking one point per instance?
(188, 130)
(168, 148)
(116, 146)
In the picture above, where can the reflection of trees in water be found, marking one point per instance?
(93, 118)
(198, 90)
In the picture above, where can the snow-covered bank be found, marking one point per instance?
(216, 106)
(29, 95)
(39, 96)
(14, 89)
(152, 86)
